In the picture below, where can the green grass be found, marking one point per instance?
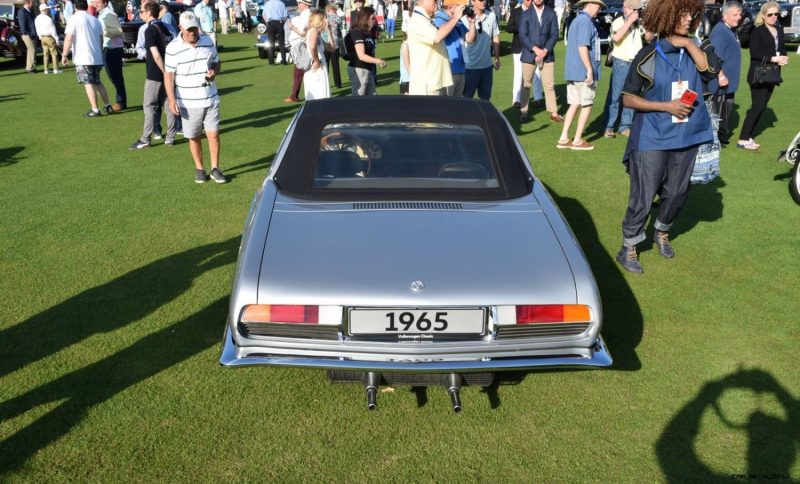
(116, 269)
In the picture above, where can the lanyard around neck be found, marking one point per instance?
(664, 56)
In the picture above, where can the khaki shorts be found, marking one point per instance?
(579, 93)
(196, 119)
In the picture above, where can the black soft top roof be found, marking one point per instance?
(295, 174)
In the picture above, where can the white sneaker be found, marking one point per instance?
(46, 71)
(57, 71)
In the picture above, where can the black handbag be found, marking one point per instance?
(767, 74)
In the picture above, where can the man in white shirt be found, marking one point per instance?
(190, 67)
(297, 30)
(222, 9)
(48, 36)
(429, 72)
(85, 33)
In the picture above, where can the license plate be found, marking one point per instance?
(417, 321)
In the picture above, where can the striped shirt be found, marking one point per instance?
(190, 65)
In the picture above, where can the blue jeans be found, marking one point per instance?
(478, 80)
(619, 71)
(390, 27)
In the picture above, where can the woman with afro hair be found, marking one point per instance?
(666, 132)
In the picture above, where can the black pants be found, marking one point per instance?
(760, 97)
(276, 37)
(332, 58)
(112, 58)
(724, 109)
(665, 172)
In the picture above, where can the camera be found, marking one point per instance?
(469, 11)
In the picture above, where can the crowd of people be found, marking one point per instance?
(661, 73)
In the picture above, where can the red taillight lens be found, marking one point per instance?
(277, 313)
(553, 313)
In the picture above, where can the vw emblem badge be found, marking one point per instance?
(417, 286)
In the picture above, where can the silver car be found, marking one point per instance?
(406, 240)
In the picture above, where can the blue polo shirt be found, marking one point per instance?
(275, 10)
(454, 42)
(726, 46)
(657, 131)
(582, 33)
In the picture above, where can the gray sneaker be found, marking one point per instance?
(664, 246)
(200, 176)
(138, 144)
(629, 259)
(218, 176)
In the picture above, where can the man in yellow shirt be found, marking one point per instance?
(429, 70)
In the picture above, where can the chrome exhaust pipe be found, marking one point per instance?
(372, 381)
(454, 382)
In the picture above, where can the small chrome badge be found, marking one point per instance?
(417, 286)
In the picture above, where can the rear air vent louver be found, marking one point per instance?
(540, 330)
(407, 206)
(304, 331)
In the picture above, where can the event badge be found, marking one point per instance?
(678, 88)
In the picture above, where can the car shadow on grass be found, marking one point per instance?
(9, 156)
(773, 437)
(104, 308)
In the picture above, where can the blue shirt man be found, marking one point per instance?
(582, 33)
(275, 10)
(454, 42)
(726, 46)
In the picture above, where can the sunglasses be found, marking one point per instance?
(774, 14)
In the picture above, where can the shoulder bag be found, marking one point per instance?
(300, 55)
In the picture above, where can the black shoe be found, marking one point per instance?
(92, 114)
(200, 176)
(524, 117)
(108, 109)
(138, 144)
(629, 259)
(664, 247)
(218, 176)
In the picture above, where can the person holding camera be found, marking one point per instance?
(670, 124)
(626, 34)
(453, 42)
(429, 69)
(479, 75)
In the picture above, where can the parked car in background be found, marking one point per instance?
(602, 21)
(407, 240)
(11, 44)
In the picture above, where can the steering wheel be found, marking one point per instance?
(340, 141)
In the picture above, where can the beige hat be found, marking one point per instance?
(188, 20)
(634, 4)
(43, 7)
(584, 2)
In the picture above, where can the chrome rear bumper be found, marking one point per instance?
(598, 357)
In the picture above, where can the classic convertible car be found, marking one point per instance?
(406, 240)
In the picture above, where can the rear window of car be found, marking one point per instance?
(404, 156)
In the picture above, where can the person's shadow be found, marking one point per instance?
(9, 156)
(772, 442)
(110, 306)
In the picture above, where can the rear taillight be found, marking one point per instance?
(553, 313)
(277, 313)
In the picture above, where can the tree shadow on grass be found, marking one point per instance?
(13, 97)
(773, 442)
(90, 386)
(259, 119)
(227, 90)
(109, 307)
(8, 156)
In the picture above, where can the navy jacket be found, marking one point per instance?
(726, 46)
(544, 35)
(26, 21)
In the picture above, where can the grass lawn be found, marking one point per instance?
(116, 269)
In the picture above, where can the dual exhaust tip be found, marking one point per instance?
(372, 381)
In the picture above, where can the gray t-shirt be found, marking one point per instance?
(478, 55)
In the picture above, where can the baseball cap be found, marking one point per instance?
(306, 2)
(189, 20)
(43, 7)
